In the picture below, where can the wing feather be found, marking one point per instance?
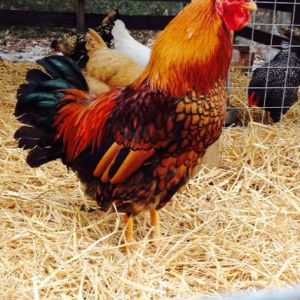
(133, 161)
(106, 159)
(141, 128)
(121, 130)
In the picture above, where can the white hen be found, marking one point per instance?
(125, 43)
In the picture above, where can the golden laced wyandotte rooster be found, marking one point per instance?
(75, 46)
(135, 146)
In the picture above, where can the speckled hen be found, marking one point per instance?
(274, 86)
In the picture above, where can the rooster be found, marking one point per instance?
(134, 147)
(274, 85)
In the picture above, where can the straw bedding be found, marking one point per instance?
(233, 228)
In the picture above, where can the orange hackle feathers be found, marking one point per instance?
(81, 122)
(192, 53)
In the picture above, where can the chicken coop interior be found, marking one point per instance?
(234, 228)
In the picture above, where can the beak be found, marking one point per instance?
(250, 6)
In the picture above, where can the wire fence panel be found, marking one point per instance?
(266, 63)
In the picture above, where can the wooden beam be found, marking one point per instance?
(40, 18)
(80, 16)
(182, 1)
(68, 19)
(288, 6)
(262, 37)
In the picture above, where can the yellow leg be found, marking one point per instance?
(154, 221)
(129, 228)
(128, 232)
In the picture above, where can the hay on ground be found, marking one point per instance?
(233, 228)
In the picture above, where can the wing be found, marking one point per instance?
(142, 124)
(117, 133)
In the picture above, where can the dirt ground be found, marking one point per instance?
(30, 44)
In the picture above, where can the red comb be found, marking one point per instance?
(252, 101)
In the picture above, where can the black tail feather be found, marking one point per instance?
(37, 105)
(39, 156)
(63, 67)
(37, 76)
(30, 137)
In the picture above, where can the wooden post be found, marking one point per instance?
(80, 16)
(212, 155)
(210, 159)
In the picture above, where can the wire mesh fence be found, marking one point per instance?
(267, 74)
